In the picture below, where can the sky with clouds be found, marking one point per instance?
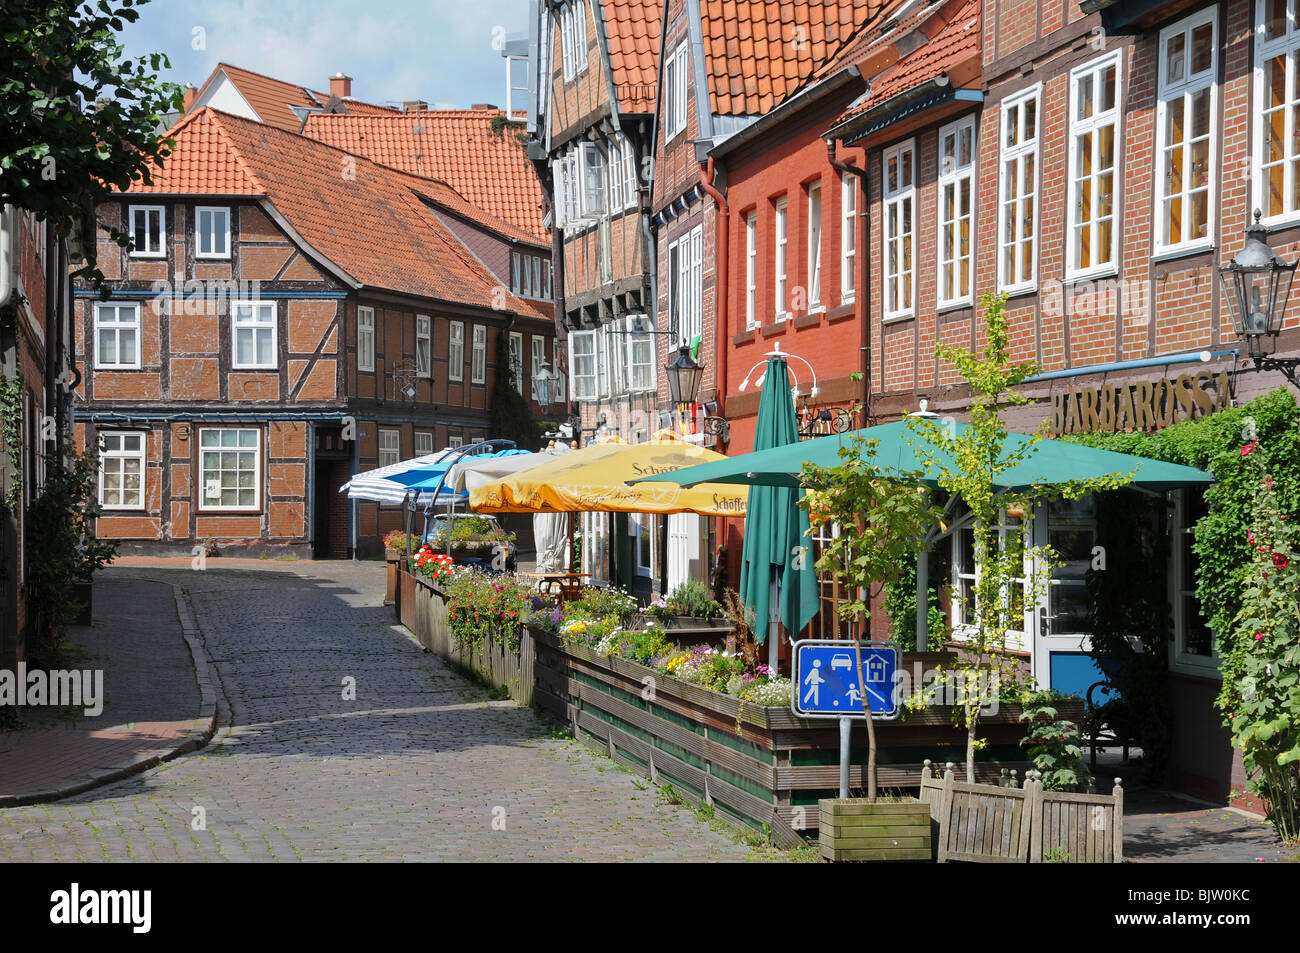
(437, 50)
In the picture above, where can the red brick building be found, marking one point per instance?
(1121, 149)
(289, 314)
(37, 355)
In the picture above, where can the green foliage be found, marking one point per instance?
(968, 462)
(1265, 660)
(1230, 588)
(401, 541)
(882, 520)
(597, 602)
(900, 606)
(77, 118)
(11, 438)
(61, 546)
(1053, 745)
(481, 605)
(1130, 622)
(690, 598)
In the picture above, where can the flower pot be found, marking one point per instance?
(857, 829)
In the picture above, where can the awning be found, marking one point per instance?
(393, 483)
(594, 479)
(1054, 462)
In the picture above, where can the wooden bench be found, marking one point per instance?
(1003, 823)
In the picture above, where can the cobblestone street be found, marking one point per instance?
(417, 767)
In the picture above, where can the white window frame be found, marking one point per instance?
(593, 173)
(146, 210)
(117, 326)
(424, 355)
(583, 377)
(201, 489)
(616, 180)
(686, 286)
(640, 355)
(1288, 46)
(1177, 95)
(952, 176)
(751, 270)
(573, 38)
(365, 339)
(560, 379)
(630, 187)
(199, 234)
(423, 443)
(478, 355)
(676, 71)
(516, 273)
(386, 456)
(1181, 661)
(455, 442)
(516, 354)
(897, 201)
(815, 247)
(456, 351)
(537, 344)
(256, 323)
(640, 526)
(848, 236)
(1015, 156)
(106, 454)
(781, 258)
(1091, 128)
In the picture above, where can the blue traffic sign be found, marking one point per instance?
(826, 682)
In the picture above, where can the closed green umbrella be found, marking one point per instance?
(775, 526)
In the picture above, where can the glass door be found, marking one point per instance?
(1060, 640)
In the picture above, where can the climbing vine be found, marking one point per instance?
(11, 436)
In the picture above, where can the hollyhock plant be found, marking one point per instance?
(1262, 667)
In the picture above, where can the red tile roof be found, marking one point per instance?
(365, 220)
(272, 98)
(633, 28)
(457, 146)
(955, 44)
(444, 195)
(761, 52)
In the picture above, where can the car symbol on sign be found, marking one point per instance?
(840, 661)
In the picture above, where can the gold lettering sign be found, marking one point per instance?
(1144, 405)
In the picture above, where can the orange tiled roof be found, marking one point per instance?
(440, 193)
(272, 98)
(364, 220)
(761, 52)
(957, 42)
(455, 145)
(633, 28)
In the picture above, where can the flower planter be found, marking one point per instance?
(757, 764)
(690, 631)
(857, 829)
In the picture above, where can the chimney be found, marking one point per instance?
(414, 106)
(341, 86)
(483, 106)
(191, 94)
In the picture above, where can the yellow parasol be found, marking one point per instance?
(594, 479)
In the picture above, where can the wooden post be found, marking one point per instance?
(1117, 822)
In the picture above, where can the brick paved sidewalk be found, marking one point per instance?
(1163, 828)
(154, 705)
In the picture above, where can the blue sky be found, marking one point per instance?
(436, 50)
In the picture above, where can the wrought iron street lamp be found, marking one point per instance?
(684, 378)
(543, 379)
(1258, 282)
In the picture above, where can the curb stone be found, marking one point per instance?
(204, 726)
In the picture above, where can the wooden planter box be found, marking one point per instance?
(856, 829)
(392, 560)
(689, 631)
(423, 610)
(760, 765)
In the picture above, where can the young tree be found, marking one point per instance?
(882, 524)
(968, 463)
(78, 119)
